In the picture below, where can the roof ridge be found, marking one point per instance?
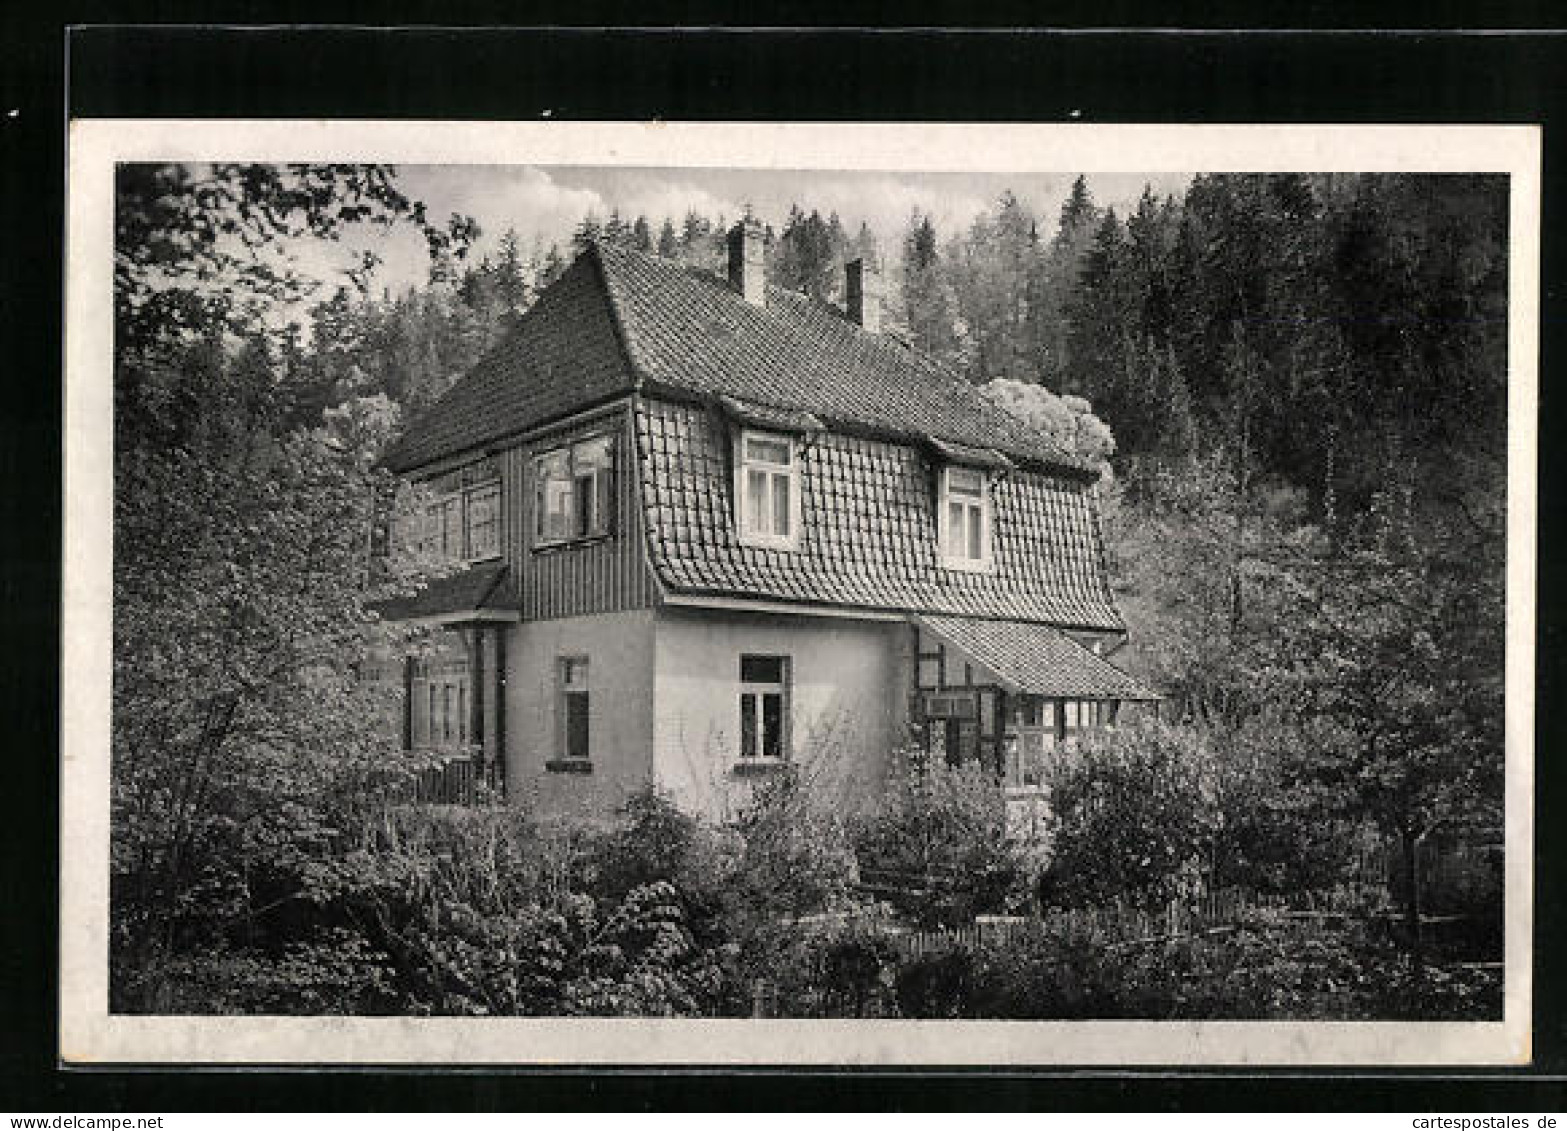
(1020, 437)
(780, 322)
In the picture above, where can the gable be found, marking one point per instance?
(869, 530)
(565, 354)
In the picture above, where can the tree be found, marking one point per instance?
(1134, 814)
(668, 245)
(196, 250)
(927, 307)
(554, 266)
(808, 255)
(990, 269)
(241, 730)
(641, 235)
(511, 276)
(240, 722)
(1098, 331)
(588, 232)
(1055, 284)
(1069, 422)
(694, 230)
(1398, 640)
(616, 230)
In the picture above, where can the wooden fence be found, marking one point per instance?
(460, 781)
(1125, 924)
(1448, 875)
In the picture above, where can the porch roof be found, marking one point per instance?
(481, 592)
(1036, 659)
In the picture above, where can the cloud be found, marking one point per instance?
(546, 205)
(527, 199)
(886, 203)
(659, 199)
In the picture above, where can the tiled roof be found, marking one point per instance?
(619, 321)
(683, 330)
(686, 330)
(1037, 659)
(488, 586)
(563, 355)
(968, 454)
(765, 416)
(869, 523)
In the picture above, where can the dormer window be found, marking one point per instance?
(964, 519)
(767, 490)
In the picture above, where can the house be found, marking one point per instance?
(707, 530)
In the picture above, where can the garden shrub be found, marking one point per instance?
(340, 973)
(792, 856)
(1267, 966)
(1133, 815)
(1274, 833)
(841, 965)
(936, 985)
(942, 831)
(653, 841)
(483, 912)
(856, 966)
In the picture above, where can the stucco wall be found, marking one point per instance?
(619, 648)
(850, 682)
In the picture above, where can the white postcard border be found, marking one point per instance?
(89, 1035)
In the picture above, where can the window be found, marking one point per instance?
(439, 703)
(1079, 716)
(767, 490)
(1036, 741)
(958, 705)
(464, 519)
(964, 519)
(574, 709)
(482, 522)
(573, 491)
(764, 708)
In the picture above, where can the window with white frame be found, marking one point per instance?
(573, 491)
(764, 709)
(964, 519)
(767, 490)
(574, 709)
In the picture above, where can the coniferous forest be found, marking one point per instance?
(1297, 385)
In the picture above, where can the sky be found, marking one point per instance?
(545, 203)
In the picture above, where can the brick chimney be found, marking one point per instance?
(862, 293)
(747, 261)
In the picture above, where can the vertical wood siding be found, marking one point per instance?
(607, 575)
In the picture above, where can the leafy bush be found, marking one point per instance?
(1267, 966)
(1134, 814)
(1275, 834)
(654, 841)
(941, 830)
(938, 984)
(340, 973)
(794, 857)
(840, 965)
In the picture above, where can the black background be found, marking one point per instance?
(126, 67)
